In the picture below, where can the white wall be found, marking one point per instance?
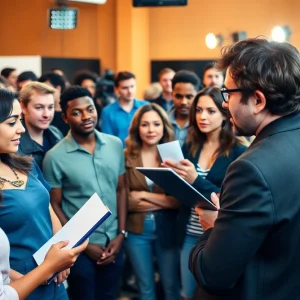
(22, 63)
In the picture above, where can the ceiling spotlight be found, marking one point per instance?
(239, 36)
(63, 17)
(213, 40)
(281, 33)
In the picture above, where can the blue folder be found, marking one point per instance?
(177, 187)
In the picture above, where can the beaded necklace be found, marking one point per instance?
(17, 183)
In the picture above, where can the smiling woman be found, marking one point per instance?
(152, 214)
(25, 208)
(8, 130)
(10, 133)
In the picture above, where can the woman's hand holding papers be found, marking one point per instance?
(207, 218)
(183, 168)
(58, 259)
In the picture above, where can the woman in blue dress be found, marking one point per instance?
(26, 216)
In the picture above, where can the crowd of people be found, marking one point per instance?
(61, 142)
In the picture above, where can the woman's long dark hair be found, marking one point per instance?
(22, 164)
(196, 138)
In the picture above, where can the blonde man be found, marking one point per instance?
(37, 102)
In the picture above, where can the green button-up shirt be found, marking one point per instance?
(80, 174)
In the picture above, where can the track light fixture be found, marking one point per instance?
(281, 33)
(239, 36)
(214, 40)
(63, 17)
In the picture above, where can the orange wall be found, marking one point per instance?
(175, 33)
(24, 27)
(141, 53)
(132, 42)
(106, 34)
(179, 33)
(155, 33)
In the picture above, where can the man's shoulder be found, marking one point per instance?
(109, 139)
(238, 149)
(171, 114)
(55, 131)
(111, 107)
(140, 103)
(59, 149)
(158, 100)
(27, 145)
(255, 156)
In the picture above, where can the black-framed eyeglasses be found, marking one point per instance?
(225, 93)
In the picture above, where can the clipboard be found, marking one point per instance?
(177, 187)
(90, 216)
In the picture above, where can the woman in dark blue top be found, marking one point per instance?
(210, 148)
(26, 216)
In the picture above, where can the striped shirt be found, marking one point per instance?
(193, 227)
(150, 183)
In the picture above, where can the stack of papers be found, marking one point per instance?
(91, 215)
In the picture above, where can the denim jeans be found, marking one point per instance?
(187, 278)
(141, 249)
(87, 281)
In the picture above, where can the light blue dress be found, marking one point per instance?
(25, 218)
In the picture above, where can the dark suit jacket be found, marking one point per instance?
(253, 250)
(165, 219)
(212, 182)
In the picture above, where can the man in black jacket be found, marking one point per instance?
(250, 249)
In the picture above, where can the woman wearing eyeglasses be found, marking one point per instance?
(210, 148)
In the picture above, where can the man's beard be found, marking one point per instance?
(238, 131)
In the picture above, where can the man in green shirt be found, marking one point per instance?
(84, 162)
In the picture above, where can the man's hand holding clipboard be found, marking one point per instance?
(207, 218)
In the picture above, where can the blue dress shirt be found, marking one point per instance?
(116, 121)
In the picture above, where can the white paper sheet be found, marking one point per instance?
(85, 220)
(171, 151)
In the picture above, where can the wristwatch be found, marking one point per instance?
(124, 232)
